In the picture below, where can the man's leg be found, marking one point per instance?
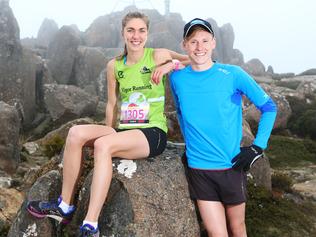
(213, 217)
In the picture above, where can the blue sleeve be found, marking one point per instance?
(248, 86)
(268, 115)
(177, 105)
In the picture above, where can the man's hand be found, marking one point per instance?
(247, 157)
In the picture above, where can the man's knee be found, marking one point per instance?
(238, 229)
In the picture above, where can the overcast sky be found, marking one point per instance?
(281, 33)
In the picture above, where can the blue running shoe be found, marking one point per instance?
(88, 231)
(42, 209)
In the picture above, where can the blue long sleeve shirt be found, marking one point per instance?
(209, 108)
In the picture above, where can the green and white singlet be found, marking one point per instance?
(142, 103)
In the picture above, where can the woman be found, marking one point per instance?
(141, 132)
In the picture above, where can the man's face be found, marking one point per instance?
(199, 47)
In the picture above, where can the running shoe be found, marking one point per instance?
(88, 231)
(41, 209)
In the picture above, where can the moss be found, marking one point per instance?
(303, 118)
(53, 146)
(4, 228)
(268, 216)
(290, 152)
(281, 182)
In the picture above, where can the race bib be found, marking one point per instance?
(136, 110)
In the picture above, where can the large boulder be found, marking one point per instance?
(104, 31)
(88, 65)
(228, 37)
(10, 201)
(260, 172)
(17, 67)
(65, 103)
(146, 198)
(61, 54)
(307, 87)
(153, 201)
(46, 32)
(47, 187)
(9, 137)
(255, 67)
(252, 114)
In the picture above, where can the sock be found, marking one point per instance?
(93, 224)
(65, 207)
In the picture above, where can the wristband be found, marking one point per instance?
(176, 64)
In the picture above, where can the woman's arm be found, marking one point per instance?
(184, 59)
(111, 106)
(165, 64)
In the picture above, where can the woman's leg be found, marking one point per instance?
(213, 217)
(131, 144)
(77, 137)
(235, 215)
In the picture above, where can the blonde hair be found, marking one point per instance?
(129, 16)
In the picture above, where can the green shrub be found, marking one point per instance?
(268, 216)
(290, 152)
(303, 118)
(281, 182)
(54, 146)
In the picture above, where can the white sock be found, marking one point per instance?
(65, 207)
(94, 224)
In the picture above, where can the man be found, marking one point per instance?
(208, 98)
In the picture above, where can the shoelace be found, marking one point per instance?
(86, 232)
(48, 205)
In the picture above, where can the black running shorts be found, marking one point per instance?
(157, 139)
(227, 186)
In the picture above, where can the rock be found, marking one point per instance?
(65, 103)
(260, 171)
(46, 187)
(149, 198)
(227, 33)
(62, 131)
(5, 182)
(46, 32)
(9, 137)
(252, 114)
(307, 87)
(255, 67)
(61, 54)
(10, 201)
(94, 36)
(88, 65)
(17, 67)
(270, 70)
(308, 72)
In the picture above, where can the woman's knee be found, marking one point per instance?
(76, 135)
(102, 145)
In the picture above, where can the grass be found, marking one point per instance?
(268, 216)
(289, 152)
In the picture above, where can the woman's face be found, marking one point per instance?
(135, 34)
